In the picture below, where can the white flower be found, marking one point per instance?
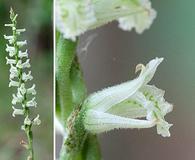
(27, 121)
(9, 38)
(23, 65)
(13, 72)
(21, 43)
(13, 83)
(19, 31)
(76, 17)
(9, 25)
(26, 77)
(36, 120)
(17, 99)
(31, 103)
(10, 61)
(122, 105)
(141, 20)
(23, 54)
(22, 89)
(31, 90)
(17, 111)
(11, 50)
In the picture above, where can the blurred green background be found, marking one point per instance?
(36, 17)
(111, 59)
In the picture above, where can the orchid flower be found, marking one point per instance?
(127, 104)
(74, 17)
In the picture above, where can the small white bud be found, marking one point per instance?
(18, 31)
(9, 25)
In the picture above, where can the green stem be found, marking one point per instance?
(65, 54)
(30, 143)
(71, 92)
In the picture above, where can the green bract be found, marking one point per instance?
(74, 17)
(122, 105)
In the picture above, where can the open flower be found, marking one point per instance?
(76, 17)
(123, 105)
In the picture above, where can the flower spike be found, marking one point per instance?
(19, 78)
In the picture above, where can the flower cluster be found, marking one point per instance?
(18, 60)
(122, 105)
(77, 16)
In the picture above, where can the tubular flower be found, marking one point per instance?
(19, 63)
(77, 16)
(123, 105)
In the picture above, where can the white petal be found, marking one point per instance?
(105, 99)
(27, 121)
(141, 19)
(163, 129)
(31, 90)
(37, 121)
(74, 17)
(31, 103)
(98, 122)
(13, 83)
(17, 111)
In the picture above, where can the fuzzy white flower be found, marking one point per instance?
(13, 83)
(23, 65)
(21, 43)
(27, 121)
(36, 120)
(31, 90)
(11, 50)
(76, 17)
(141, 20)
(122, 105)
(26, 77)
(23, 54)
(31, 103)
(17, 111)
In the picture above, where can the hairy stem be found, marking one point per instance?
(65, 54)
